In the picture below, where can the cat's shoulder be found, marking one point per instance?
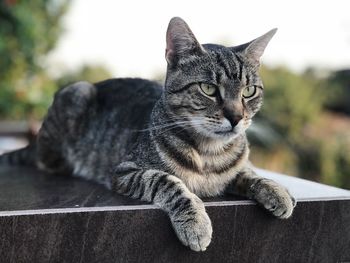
(128, 92)
(129, 86)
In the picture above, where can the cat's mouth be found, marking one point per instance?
(225, 132)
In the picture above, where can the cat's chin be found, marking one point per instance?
(224, 136)
(228, 135)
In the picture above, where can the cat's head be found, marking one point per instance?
(212, 89)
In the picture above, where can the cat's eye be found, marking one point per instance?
(249, 92)
(208, 89)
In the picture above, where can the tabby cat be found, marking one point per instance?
(170, 145)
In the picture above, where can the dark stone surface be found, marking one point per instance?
(40, 222)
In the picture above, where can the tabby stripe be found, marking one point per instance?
(236, 64)
(229, 147)
(190, 212)
(240, 62)
(222, 64)
(162, 180)
(170, 185)
(136, 184)
(153, 179)
(176, 155)
(184, 221)
(184, 136)
(175, 195)
(180, 89)
(217, 76)
(141, 190)
(248, 79)
(181, 204)
(130, 182)
(233, 163)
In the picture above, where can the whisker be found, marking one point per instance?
(173, 122)
(192, 125)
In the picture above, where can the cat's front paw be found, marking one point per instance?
(274, 197)
(193, 226)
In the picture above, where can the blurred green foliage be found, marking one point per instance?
(29, 31)
(339, 83)
(296, 97)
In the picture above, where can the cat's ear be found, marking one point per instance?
(180, 41)
(254, 49)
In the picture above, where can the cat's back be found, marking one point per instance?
(128, 93)
(121, 110)
(127, 102)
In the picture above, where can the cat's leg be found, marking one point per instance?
(271, 195)
(62, 125)
(186, 211)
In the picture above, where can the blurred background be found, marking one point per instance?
(304, 127)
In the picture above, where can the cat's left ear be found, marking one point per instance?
(255, 49)
(180, 41)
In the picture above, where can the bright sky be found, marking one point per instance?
(129, 36)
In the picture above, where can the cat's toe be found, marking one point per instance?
(193, 230)
(275, 198)
(198, 235)
(284, 210)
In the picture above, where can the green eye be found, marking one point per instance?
(208, 89)
(249, 92)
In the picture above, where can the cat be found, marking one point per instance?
(167, 145)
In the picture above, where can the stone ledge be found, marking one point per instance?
(58, 219)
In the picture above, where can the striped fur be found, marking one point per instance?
(23, 157)
(167, 145)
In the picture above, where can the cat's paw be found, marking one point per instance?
(273, 197)
(193, 227)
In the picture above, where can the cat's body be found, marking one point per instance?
(166, 145)
(105, 122)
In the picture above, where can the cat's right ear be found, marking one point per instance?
(180, 42)
(255, 49)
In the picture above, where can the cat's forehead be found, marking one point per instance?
(228, 65)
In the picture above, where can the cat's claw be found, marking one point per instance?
(194, 230)
(274, 197)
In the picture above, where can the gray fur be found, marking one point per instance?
(170, 145)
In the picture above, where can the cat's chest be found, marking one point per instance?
(209, 175)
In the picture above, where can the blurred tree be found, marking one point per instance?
(29, 30)
(291, 101)
(338, 85)
(91, 73)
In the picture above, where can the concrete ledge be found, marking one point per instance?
(59, 219)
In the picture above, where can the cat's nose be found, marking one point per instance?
(233, 112)
(234, 120)
(233, 117)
